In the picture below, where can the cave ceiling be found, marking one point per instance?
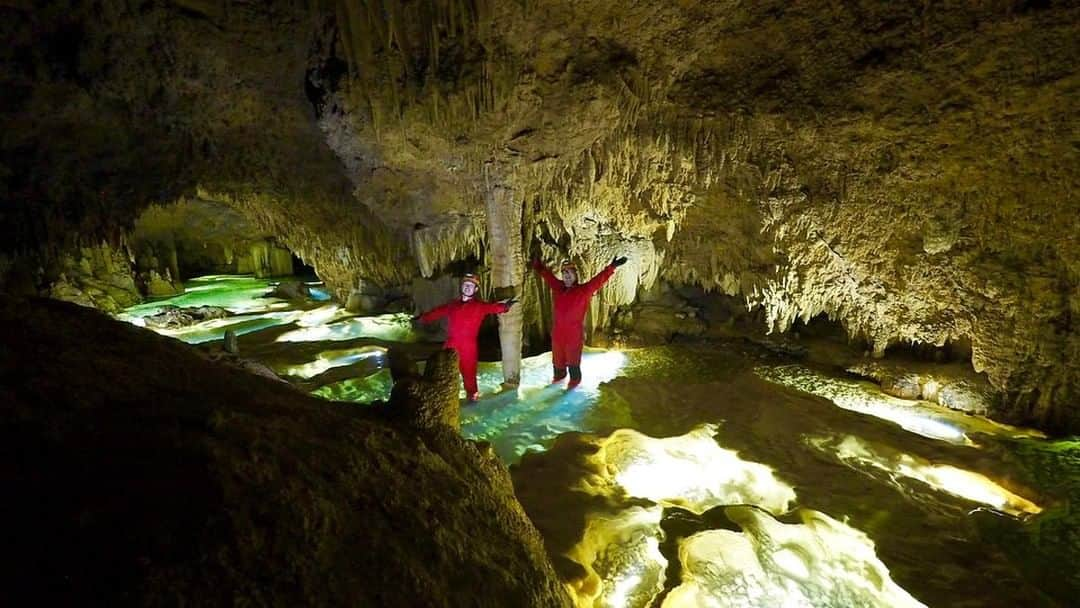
(908, 169)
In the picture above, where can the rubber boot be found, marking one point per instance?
(558, 375)
(575, 376)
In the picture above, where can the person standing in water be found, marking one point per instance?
(571, 299)
(465, 314)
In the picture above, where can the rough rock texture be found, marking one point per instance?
(196, 237)
(98, 277)
(907, 169)
(115, 105)
(659, 315)
(428, 402)
(138, 473)
(175, 317)
(290, 290)
(953, 386)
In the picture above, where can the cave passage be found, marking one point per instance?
(242, 297)
(826, 258)
(775, 483)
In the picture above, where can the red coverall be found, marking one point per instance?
(464, 323)
(568, 331)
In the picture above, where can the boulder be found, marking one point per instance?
(290, 290)
(429, 403)
(955, 386)
(159, 477)
(175, 317)
(158, 286)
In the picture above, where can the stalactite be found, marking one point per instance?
(458, 238)
(394, 89)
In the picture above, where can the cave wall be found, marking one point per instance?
(118, 105)
(192, 237)
(907, 170)
(95, 276)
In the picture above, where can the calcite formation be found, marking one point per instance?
(907, 170)
(903, 170)
(96, 276)
(195, 237)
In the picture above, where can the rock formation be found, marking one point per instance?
(903, 170)
(290, 290)
(907, 170)
(205, 237)
(140, 473)
(175, 317)
(97, 276)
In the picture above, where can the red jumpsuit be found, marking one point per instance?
(568, 330)
(464, 323)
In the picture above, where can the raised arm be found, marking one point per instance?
(435, 313)
(548, 276)
(598, 281)
(594, 284)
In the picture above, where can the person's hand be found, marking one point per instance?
(618, 261)
(510, 302)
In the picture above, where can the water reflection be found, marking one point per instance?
(905, 473)
(942, 477)
(920, 417)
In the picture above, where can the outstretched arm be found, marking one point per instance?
(497, 308)
(548, 276)
(598, 281)
(594, 284)
(435, 313)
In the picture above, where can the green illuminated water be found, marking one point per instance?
(238, 293)
(242, 295)
(945, 549)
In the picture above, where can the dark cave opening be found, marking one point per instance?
(952, 351)
(323, 80)
(303, 270)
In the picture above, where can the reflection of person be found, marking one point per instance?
(465, 315)
(571, 299)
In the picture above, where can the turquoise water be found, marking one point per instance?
(242, 295)
(963, 511)
(238, 293)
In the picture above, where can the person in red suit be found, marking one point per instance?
(571, 299)
(465, 315)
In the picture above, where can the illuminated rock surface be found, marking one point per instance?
(241, 296)
(195, 237)
(907, 169)
(146, 475)
(909, 503)
(819, 562)
(616, 512)
(903, 172)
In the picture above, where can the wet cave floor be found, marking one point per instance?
(719, 473)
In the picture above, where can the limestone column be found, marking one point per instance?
(507, 269)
